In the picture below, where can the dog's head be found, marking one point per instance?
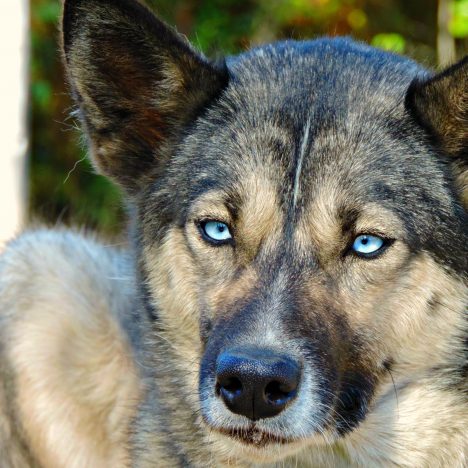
(300, 219)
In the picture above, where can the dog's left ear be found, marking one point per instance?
(440, 105)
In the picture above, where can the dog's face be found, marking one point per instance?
(300, 219)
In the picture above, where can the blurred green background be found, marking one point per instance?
(63, 186)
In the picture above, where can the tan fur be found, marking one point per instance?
(104, 363)
(260, 216)
(411, 413)
(173, 276)
(76, 384)
(417, 423)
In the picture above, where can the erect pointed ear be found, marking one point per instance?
(440, 104)
(137, 83)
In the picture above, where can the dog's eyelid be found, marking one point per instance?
(374, 233)
(386, 232)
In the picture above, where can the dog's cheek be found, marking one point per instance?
(172, 280)
(419, 311)
(398, 314)
(365, 291)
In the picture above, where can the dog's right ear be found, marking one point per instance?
(137, 83)
(440, 104)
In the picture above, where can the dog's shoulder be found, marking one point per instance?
(65, 266)
(66, 363)
(53, 258)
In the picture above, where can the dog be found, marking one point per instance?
(294, 290)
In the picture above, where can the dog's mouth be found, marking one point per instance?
(253, 436)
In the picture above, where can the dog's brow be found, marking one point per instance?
(304, 145)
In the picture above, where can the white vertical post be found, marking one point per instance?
(14, 54)
(446, 53)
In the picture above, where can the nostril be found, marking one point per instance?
(231, 386)
(278, 393)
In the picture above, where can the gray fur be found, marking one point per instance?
(299, 147)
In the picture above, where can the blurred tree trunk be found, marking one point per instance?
(14, 47)
(446, 54)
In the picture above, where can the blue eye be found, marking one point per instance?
(366, 245)
(216, 231)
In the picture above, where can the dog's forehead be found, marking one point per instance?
(303, 119)
(320, 76)
(296, 104)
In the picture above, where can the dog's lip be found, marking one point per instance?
(253, 436)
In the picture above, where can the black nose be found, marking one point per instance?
(256, 382)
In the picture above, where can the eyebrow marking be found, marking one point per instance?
(297, 176)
